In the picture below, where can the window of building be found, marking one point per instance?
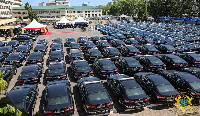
(99, 10)
(88, 11)
(74, 11)
(92, 11)
(85, 11)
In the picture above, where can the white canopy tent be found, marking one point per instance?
(80, 20)
(35, 25)
(63, 21)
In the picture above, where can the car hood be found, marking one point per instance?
(136, 97)
(170, 93)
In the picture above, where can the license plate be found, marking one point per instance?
(56, 60)
(58, 77)
(33, 61)
(111, 112)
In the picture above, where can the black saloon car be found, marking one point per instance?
(6, 50)
(82, 40)
(94, 96)
(88, 45)
(56, 71)
(42, 41)
(105, 67)
(35, 58)
(128, 91)
(74, 45)
(128, 64)
(92, 54)
(14, 44)
(23, 98)
(68, 41)
(24, 49)
(56, 47)
(30, 75)
(157, 87)
(129, 50)
(151, 63)
(15, 58)
(58, 99)
(6, 72)
(148, 49)
(40, 48)
(75, 54)
(166, 49)
(56, 56)
(111, 52)
(117, 43)
(192, 58)
(81, 68)
(173, 61)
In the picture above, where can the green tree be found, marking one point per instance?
(31, 15)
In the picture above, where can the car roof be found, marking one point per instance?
(188, 77)
(29, 68)
(94, 87)
(194, 54)
(130, 83)
(80, 62)
(56, 52)
(18, 95)
(35, 53)
(158, 79)
(57, 90)
(56, 65)
(23, 46)
(40, 45)
(171, 55)
(74, 51)
(129, 58)
(93, 50)
(105, 61)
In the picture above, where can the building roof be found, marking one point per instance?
(57, 7)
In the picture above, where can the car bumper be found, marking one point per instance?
(104, 111)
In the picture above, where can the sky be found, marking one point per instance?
(72, 2)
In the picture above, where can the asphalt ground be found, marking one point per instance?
(152, 110)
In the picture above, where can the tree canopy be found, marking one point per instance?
(31, 15)
(155, 8)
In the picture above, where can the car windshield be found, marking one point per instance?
(156, 61)
(21, 49)
(3, 49)
(178, 60)
(105, 43)
(56, 55)
(120, 42)
(114, 51)
(133, 63)
(11, 43)
(13, 57)
(134, 91)
(83, 39)
(19, 105)
(56, 46)
(39, 48)
(34, 56)
(97, 96)
(56, 71)
(56, 41)
(170, 48)
(165, 88)
(76, 54)
(90, 45)
(75, 45)
(195, 85)
(197, 58)
(58, 100)
(95, 53)
(109, 65)
(82, 68)
(28, 74)
(151, 48)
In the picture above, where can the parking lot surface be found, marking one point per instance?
(151, 110)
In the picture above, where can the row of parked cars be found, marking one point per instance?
(145, 81)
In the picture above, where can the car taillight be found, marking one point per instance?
(39, 60)
(90, 106)
(29, 61)
(127, 101)
(164, 65)
(50, 77)
(42, 50)
(79, 48)
(160, 97)
(158, 51)
(78, 73)
(111, 55)
(48, 112)
(35, 50)
(109, 104)
(197, 62)
(139, 52)
(120, 54)
(150, 52)
(60, 58)
(169, 51)
(103, 71)
(141, 67)
(147, 99)
(16, 61)
(186, 63)
(178, 95)
(20, 80)
(101, 56)
(25, 51)
(70, 108)
(153, 66)
(63, 76)
(116, 70)
(194, 93)
(92, 57)
(176, 64)
(131, 53)
(81, 57)
(71, 58)
(51, 59)
(34, 79)
(129, 68)
(91, 72)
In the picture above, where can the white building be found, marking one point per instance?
(55, 2)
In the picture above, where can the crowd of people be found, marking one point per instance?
(71, 25)
(6, 33)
